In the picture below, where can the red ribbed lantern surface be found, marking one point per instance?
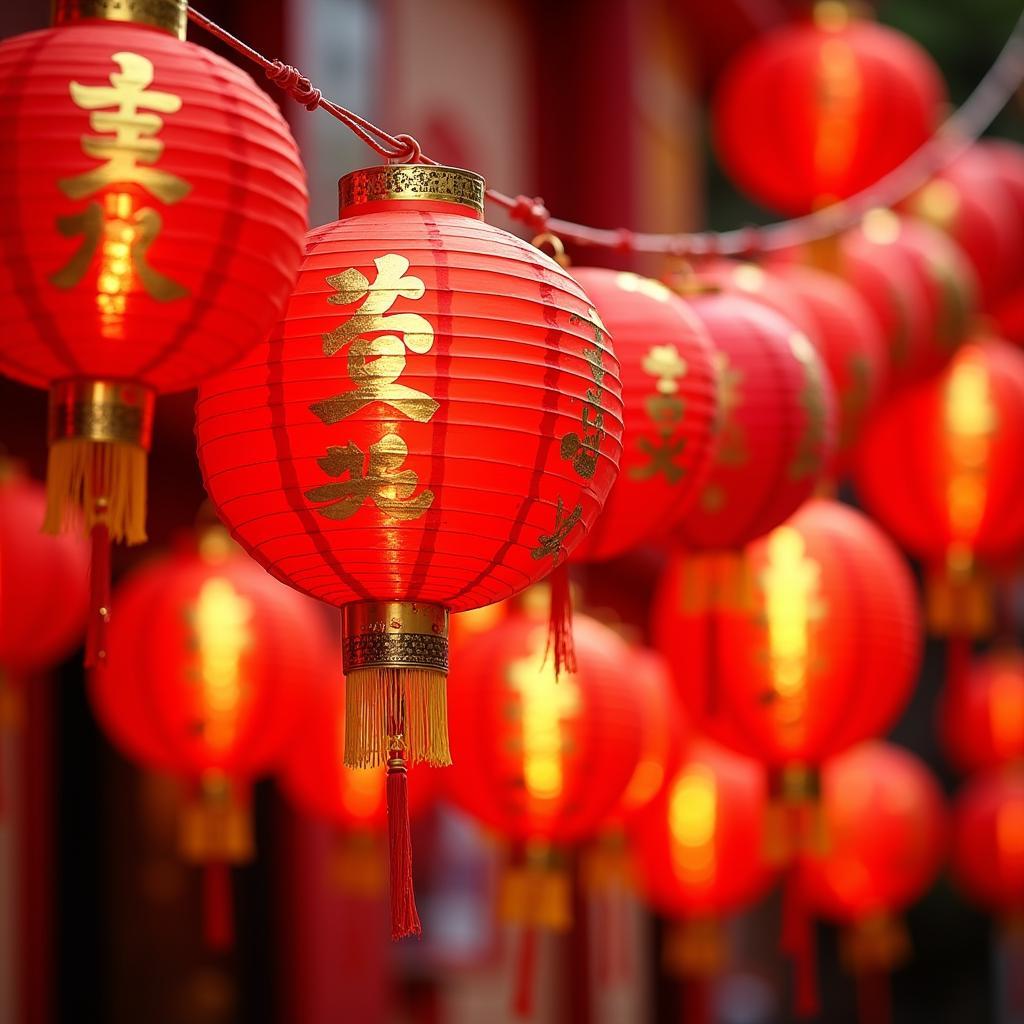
(537, 757)
(982, 712)
(151, 234)
(770, 649)
(669, 405)
(886, 825)
(776, 432)
(817, 111)
(43, 592)
(939, 467)
(987, 854)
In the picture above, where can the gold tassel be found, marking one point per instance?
(215, 824)
(694, 947)
(376, 698)
(536, 893)
(877, 943)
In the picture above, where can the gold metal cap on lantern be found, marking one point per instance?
(102, 410)
(423, 182)
(169, 15)
(395, 659)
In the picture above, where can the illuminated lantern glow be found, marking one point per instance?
(769, 648)
(938, 468)
(696, 853)
(982, 712)
(464, 454)
(987, 853)
(43, 592)
(213, 668)
(819, 110)
(777, 420)
(669, 407)
(152, 236)
(972, 202)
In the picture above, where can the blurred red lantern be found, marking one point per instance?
(150, 238)
(972, 202)
(938, 467)
(982, 712)
(770, 648)
(470, 448)
(776, 429)
(1006, 161)
(988, 841)
(919, 285)
(212, 669)
(669, 405)
(817, 111)
(43, 591)
(847, 338)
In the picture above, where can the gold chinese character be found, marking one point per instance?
(582, 449)
(732, 444)
(375, 364)
(811, 446)
(553, 544)
(383, 481)
(114, 227)
(665, 409)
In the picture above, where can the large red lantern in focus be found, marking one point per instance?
(669, 405)
(151, 234)
(987, 853)
(776, 430)
(982, 712)
(212, 669)
(697, 856)
(43, 591)
(886, 824)
(939, 468)
(814, 112)
(770, 648)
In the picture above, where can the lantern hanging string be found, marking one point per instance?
(954, 136)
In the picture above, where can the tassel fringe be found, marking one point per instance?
(377, 698)
(405, 919)
(560, 640)
(96, 482)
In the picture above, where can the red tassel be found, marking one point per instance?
(696, 999)
(405, 920)
(560, 627)
(798, 941)
(958, 661)
(99, 610)
(874, 998)
(218, 907)
(526, 970)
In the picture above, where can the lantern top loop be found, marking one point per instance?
(169, 15)
(423, 182)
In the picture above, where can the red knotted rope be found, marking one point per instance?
(962, 128)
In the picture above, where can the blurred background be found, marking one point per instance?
(601, 108)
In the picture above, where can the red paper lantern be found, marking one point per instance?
(939, 468)
(669, 405)
(151, 235)
(847, 338)
(535, 757)
(972, 202)
(885, 820)
(987, 852)
(982, 713)
(817, 111)
(770, 648)
(697, 846)
(462, 456)
(919, 285)
(43, 592)
(776, 430)
(314, 774)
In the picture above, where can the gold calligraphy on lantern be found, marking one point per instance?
(582, 449)
(545, 702)
(126, 119)
(811, 445)
(377, 340)
(665, 409)
(553, 544)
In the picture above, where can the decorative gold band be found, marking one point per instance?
(394, 634)
(102, 410)
(797, 783)
(411, 182)
(169, 15)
